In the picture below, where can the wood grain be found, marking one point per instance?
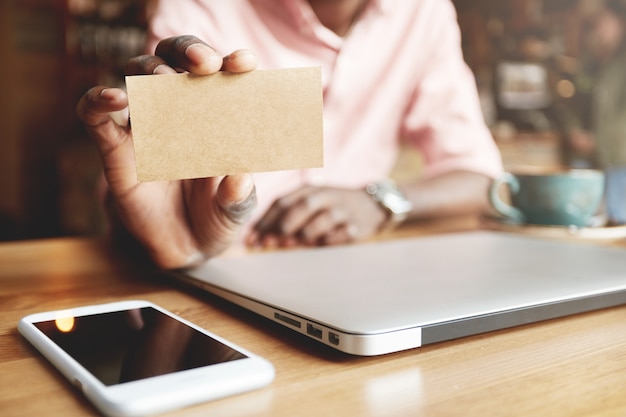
(574, 366)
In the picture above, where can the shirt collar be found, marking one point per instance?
(304, 17)
(301, 11)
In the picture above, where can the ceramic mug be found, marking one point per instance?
(563, 198)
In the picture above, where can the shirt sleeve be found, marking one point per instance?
(444, 118)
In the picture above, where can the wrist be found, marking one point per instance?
(391, 200)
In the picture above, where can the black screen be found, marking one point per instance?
(129, 345)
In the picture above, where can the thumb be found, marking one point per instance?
(232, 204)
(236, 195)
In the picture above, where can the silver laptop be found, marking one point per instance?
(382, 297)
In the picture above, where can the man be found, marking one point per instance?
(391, 69)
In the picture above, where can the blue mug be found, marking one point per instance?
(564, 198)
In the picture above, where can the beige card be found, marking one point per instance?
(187, 126)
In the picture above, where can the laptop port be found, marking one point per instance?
(333, 338)
(314, 331)
(288, 320)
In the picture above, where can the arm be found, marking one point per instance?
(442, 120)
(453, 193)
(325, 216)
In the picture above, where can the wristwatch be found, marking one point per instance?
(387, 194)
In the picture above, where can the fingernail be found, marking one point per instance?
(241, 54)
(163, 69)
(247, 187)
(109, 94)
(204, 57)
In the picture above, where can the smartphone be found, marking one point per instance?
(133, 358)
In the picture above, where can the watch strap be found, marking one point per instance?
(393, 201)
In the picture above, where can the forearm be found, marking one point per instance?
(454, 193)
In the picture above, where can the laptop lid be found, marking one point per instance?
(380, 297)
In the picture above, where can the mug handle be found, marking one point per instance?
(501, 207)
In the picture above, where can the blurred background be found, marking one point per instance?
(528, 57)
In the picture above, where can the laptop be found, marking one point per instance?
(387, 296)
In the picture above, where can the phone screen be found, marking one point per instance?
(128, 345)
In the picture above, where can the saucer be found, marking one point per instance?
(607, 233)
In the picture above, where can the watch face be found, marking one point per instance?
(397, 203)
(391, 198)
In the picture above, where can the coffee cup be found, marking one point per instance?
(561, 198)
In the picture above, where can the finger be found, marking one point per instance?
(94, 110)
(323, 224)
(241, 60)
(289, 242)
(112, 140)
(253, 239)
(346, 233)
(190, 54)
(271, 220)
(270, 241)
(216, 208)
(95, 105)
(297, 216)
(148, 64)
(237, 197)
(267, 223)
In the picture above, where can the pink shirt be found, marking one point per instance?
(398, 75)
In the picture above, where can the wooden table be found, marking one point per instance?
(574, 366)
